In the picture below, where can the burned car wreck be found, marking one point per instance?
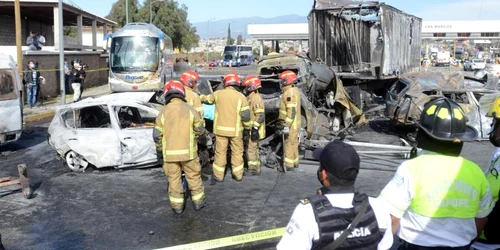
(109, 131)
(407, 96)
(326, 106)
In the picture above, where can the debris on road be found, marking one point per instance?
(23, 180)
(407, 96)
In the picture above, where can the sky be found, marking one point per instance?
(203, 10)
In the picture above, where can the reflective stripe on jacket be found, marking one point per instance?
(290, 107)
(257, 113)
(176, 130)
(232, 113)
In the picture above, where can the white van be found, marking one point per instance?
(11, 108)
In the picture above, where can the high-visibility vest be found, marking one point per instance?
(446, 186)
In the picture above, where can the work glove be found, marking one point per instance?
(279, 126)
(246, 134)
(286, 130)
(255, 134)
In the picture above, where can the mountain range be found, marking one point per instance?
(218, 28)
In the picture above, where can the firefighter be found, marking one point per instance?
(232, 116)
(177, 127)
(189, 79)
(290, 117)
(439, 200)
(251, 86)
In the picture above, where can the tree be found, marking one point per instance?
(230, 40)
(239, 39)
(167, 15)
(265, 51)
(118, 13)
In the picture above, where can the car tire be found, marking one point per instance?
(75, 162)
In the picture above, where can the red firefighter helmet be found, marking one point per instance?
(174, 87)
(252, 83)
(189, 78)
(232, 79)
(288, 77)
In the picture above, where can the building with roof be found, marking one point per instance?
(42, 17)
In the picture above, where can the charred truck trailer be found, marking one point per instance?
(367, 44)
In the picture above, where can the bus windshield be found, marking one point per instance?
(228, 57)
(134, 54)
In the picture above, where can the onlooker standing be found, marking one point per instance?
(76, 80)
(30, 79)
(32, 42)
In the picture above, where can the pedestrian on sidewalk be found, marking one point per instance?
(76, 80)
(30, 79)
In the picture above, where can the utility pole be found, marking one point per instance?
(19, 43)
(126, 11)
(61, 53)
(208, 37)
(454, 48)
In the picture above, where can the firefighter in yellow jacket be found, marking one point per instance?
(189, 79)
(177, 127)
(251, 86)
(232, 116)
(290, 117)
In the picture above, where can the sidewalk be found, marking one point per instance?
(45, 112)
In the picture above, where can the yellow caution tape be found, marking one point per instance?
(230, 241)
(54, 70)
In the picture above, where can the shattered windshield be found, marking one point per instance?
(134, 54)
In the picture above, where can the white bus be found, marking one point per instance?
(140, 57)
(11, 106)
(237, 55)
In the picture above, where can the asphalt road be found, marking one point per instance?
(129, 209)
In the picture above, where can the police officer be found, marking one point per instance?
(176, 129)
(251, 86)
(189, 80)
(490, 239)
(439, 199)
(232, 116)
(77, 77)
(290, 117)
(338, 216)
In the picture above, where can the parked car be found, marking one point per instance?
(109, 131)
(407, 97)
(474, 64)
(212, 63)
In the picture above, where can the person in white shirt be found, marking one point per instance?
(439, 200)
(335, 216)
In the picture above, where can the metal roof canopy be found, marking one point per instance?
(43, 11)
(289, 31)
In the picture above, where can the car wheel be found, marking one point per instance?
(75, 162)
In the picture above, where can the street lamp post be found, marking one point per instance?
(208, 36)
(150, 10)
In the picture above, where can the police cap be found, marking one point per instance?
(339, 159)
